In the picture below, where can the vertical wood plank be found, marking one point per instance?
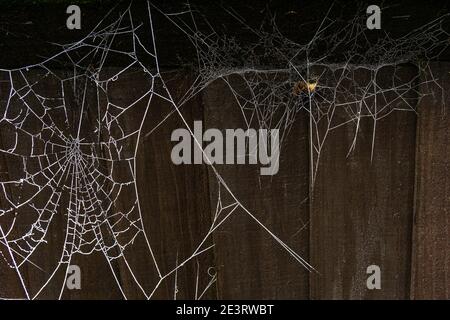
(361, 211)
(431, 246)
(251, 264)
(175, 199)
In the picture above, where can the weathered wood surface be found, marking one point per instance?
(361, 209)
(431, 245)
(175, 199)
(251, 263)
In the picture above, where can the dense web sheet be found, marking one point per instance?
(64, 168)
(338, 77)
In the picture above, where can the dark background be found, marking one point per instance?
(27, 27)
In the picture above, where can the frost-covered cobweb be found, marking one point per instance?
(70, 150)
(338, 76)
(72, 144)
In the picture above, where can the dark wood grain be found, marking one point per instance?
(361, 210)
(251, 264)
(390, 211)
(175, 199)
(431, 275)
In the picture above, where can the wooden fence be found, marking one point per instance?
(391, 211)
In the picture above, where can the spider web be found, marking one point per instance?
(66, 166)
(346, 77)
(63, 167)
